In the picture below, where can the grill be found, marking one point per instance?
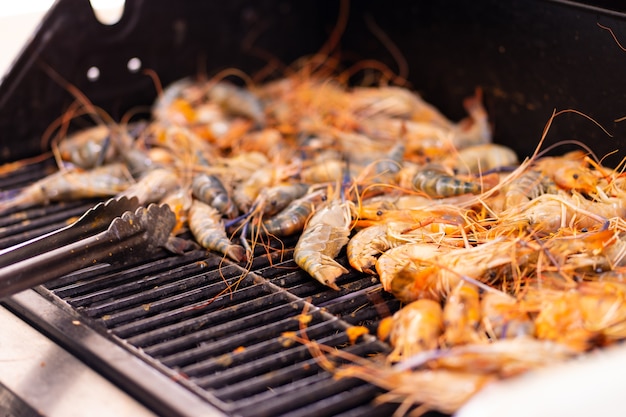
(210, 326)
(196, 335)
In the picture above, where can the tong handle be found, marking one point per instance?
(128, 236)
(95, 220)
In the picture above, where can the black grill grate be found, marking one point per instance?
(219, 329)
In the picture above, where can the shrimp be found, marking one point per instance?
(237, 101)
(504, 358)
(437, 389)
(408, 227)
(395, 102)
(153, 186)
(369, 242)
(210, 190)
(592, 314)
(292, 218)
(325, 234)
(88, 148)
(249, 189)
(480, 158)
(475, 129)
(434, 181)
(415, 328)
(394, 260)
(550, 212)
(74, 184)
(504, 317)
(527, 186)
(274, 199)
(208, 229)
(433, 274)
(571, 171)
(462, 315)
(179, 201)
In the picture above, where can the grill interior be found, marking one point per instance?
(207, 325)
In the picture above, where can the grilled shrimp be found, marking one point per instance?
(571, 171)
(206, 225)
(438, 389)
(504, 317)
(88, 148)
(480, 158)
(179, 201)
(210, 190)
(367, 243)
(550, 212)
(414, 328)
(274, 199)
(527, 186)
(461, 315)
(325, 234)
(434, 181)
(394, 260)
(433, 276)
(237, 101)
(504, 358)
(153, 186)
(105, 181)
(292, 218)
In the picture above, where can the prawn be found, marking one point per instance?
(433, 276)
(481, 158)
(210, 190)
(367, 243)
(237, 101)
(394, 260)
(503, 316)
(292, 218)
(208, 229)
(434, 181)
(462, 315)
(414, 328)
(504, 358)
(179, 201)
(323, 237)
(571, 171)
(72, 184)
(153, 186)
(525, 187)
(272, 200)
(436, 389)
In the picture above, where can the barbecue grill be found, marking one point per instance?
(192, 334)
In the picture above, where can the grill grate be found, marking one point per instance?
(218, 328)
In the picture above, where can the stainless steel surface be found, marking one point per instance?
(50, 381)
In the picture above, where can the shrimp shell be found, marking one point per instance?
(324, 236)
(416, 328)
(276, 198)
(292, 218)
(390, 263)
(461, 315)
(153, 186)
(435, 182)
(208, 229)
(367, 243)
(480, 158)
(210, 190)
(104, 181)
(504, 317)
(438, 389)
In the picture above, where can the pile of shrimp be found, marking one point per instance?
(502, 265)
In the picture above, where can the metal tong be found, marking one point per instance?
(112, 231)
